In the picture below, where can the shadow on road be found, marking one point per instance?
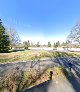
(40, 88)
(76, 71)
(73, 79)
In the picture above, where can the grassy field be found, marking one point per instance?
(32, 55)
(22, 55)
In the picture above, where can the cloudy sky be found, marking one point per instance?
(40, 20)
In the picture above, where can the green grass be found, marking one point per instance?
(32, 55)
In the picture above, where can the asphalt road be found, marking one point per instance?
(70, 84)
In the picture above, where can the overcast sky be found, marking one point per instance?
(40, 20)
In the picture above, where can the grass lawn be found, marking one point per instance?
(22, 55)
(32, 55)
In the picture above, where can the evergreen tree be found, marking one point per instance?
(49, 44)
(4, 39)
(38, 44)
(26, 45)
(57, 44)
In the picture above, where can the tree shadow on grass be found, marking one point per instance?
(16, 50)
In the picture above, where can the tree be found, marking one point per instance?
(74, 35)
(32, 45)
(67, 45)
(26, 45)
(13, 36)
(57, 44)
(38, 44)
(4, 39)
(49, 44)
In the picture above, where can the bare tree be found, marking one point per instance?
(74, 36)
(13, 36)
